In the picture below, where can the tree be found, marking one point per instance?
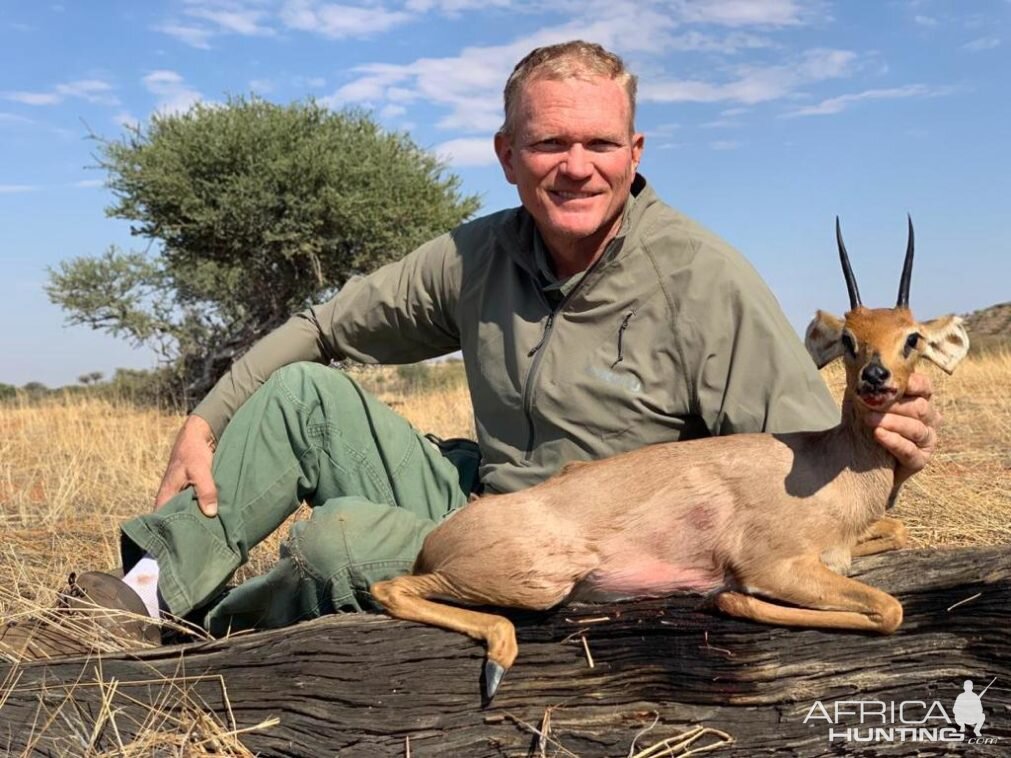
(35, 390)
(252, 211)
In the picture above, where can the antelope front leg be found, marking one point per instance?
(883, 535)
(827, 600)
(406, 597)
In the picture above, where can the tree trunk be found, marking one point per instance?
(367, 685)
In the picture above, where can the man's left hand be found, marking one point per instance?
(909, 429)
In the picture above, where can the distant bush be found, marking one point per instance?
(157, 388)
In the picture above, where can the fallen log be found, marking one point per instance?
(591, 680)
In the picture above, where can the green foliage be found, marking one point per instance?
(259, 210)
(7, 391)
(159, 388)
(35, 390)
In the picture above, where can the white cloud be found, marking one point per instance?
(663, 130)
(467, 86)
(392, 111)
(724, 144)
(308, 82)
(468, 151)
(13, 189)
(838, 104)
(33, 98)
(928, 21)
(983, 43)
(174, 96)
(194, 36)
(89, 183)
(91, 90)
(744, 12)
(470, 83)
(729, 44)
(755, 84)
(720, 123)
(13, 118)
(454, 6)
(262, 86)
(236, 20)
(337, 21)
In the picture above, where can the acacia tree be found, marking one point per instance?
(252, 211)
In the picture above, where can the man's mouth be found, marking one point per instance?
(876, 397)
(572, 195)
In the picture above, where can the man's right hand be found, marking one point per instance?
(190, 464)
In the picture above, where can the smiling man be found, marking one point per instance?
(592, 320)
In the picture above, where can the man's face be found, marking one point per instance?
(572, 157)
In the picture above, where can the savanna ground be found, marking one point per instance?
(73, 467)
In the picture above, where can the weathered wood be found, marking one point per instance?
(359, 685)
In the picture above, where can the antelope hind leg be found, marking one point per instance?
(406, 597)
(883, 535)
(826, 599)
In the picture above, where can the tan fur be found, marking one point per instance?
(758, 519)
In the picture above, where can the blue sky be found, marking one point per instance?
(763, 120)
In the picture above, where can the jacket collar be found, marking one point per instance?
(527, 235)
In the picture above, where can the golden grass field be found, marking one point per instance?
(73, 467)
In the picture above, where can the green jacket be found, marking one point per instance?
(670, 335)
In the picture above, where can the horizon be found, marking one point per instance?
(764, 119)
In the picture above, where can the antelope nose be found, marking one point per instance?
(875, 373)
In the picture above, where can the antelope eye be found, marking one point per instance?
(911, 342)
(848, 344)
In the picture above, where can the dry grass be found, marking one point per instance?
(71, 469)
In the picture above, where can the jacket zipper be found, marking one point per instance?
(538, 350)
(544, 335)
(621, 335)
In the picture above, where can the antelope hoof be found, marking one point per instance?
(493, 674)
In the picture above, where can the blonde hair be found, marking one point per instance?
(576, 59)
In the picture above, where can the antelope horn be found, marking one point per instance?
(851, 282)
(907, 270)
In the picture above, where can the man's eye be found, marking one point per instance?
(603, 146)
(548, 145)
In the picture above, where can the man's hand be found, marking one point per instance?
(190, 464)
(909, 429)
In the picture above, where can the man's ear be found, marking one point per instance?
(947, 341)
(638, 143)
(504, 151)
(823, 338)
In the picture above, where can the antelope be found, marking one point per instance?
(765, 523)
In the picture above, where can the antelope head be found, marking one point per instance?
(881, 346)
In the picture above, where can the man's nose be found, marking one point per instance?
(577, 163)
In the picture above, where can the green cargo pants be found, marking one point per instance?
(375, 484)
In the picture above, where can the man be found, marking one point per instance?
(592, 320)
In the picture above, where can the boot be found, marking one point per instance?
(97, 613)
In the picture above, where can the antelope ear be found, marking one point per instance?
(947, 341)
(823, 338)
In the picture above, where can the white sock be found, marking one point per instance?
(143, 579)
